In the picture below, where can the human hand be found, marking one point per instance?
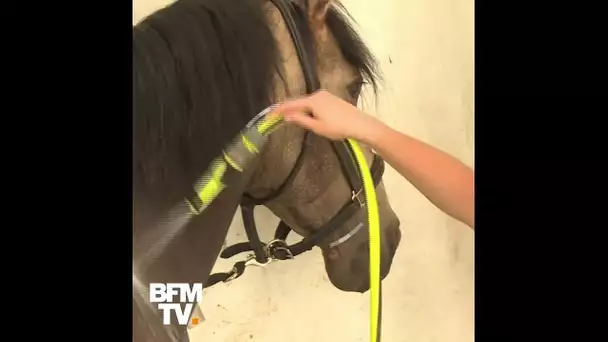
(331, 117)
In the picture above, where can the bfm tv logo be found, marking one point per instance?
(163, 295)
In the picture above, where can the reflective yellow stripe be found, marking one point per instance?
(268, 125)
(232, 162)
(210, 191)
(249, 145)
(212, 186)
(374, 239)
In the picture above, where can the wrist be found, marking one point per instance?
(373, 132)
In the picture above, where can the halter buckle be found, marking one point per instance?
(278, 245)
(356, 196)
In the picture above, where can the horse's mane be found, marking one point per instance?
(201, 70)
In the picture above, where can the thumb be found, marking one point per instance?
(303, 120)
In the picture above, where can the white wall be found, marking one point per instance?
(426, 49)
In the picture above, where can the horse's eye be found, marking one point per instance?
(354, 88)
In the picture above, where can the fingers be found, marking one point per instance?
(302, 120)
(297, 105)
(303, 104)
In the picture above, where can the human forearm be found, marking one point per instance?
(445, 181)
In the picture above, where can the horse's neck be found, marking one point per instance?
(192, 250)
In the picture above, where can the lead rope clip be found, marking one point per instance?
(355, 196)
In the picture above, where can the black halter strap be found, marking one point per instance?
(278, 249)
(289, 12)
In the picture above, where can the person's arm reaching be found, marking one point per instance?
(445, 181)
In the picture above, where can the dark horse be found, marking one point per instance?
(201, 70)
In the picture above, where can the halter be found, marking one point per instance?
(278, 249)
(352, 162)
(361, 180)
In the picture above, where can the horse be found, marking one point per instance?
(201, 70)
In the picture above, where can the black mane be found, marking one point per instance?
(201, 70)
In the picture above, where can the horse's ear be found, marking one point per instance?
(317, 9)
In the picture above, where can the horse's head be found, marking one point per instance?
(201, 70)
(317, 188)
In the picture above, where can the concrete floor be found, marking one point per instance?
(426, 49)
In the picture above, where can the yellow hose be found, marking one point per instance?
(374, 239)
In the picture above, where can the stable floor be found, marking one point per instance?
(426, 50)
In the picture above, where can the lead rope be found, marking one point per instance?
(373, 218)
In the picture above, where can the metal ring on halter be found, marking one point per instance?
(278, 245)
